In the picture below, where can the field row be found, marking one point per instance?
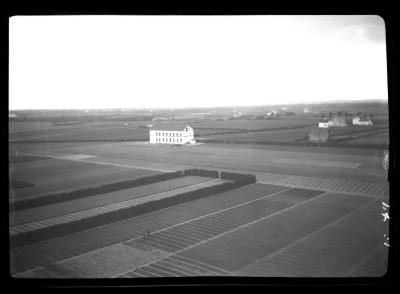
(209, 129)
(79, 132)
(364, 188)
(254, 124)
(51, 168)
(341, 250)
(236, 230)
(331, 172)
(175, 266)
(207, 227)
(262, 161)
(204, 228)
(297, 135)
(56, 175)
(272, 234)
(45, 252)
(63, 208)
(88, 213)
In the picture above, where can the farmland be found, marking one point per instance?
(264, 216)
(53, 175)
(63, 208)
(215, 223)
(288, 130)
(89, 210)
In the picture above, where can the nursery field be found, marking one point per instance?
(258, 230)
(48, 175)
(67, 207)
(311, 206)
(282, 131)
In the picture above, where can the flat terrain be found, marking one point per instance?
(250, 232)
(67, 207)
(287, 130)
(311, 214)
(43, 176)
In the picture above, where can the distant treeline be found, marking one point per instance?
(80, 118)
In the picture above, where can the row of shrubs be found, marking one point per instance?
(90, 191)
(238, 180)
(201, 173)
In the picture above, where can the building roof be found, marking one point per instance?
(169, 127)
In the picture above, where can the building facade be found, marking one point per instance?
(172, 135)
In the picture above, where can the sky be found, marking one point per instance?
(89, 62)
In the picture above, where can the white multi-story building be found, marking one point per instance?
(362, 121)
(172, 135)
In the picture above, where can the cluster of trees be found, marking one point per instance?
(345, 114)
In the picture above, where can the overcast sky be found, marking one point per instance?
(61, 62)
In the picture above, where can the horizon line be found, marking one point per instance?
(205, 107)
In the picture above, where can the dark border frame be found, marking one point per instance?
(387, 13)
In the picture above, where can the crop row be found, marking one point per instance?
(89, 191)
(80, 204)
(129, 211)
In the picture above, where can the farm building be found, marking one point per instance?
(172, 135)
(318, 135)
(362, 121)
(324, 124)
(338, 122)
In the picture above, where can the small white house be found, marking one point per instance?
(324, 124)
(362, 121)
(172, 135)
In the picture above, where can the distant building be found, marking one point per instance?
(324, 124)
(12, 115)
(172, 135)
(338, 122)
(318, 135)
(362, 121)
